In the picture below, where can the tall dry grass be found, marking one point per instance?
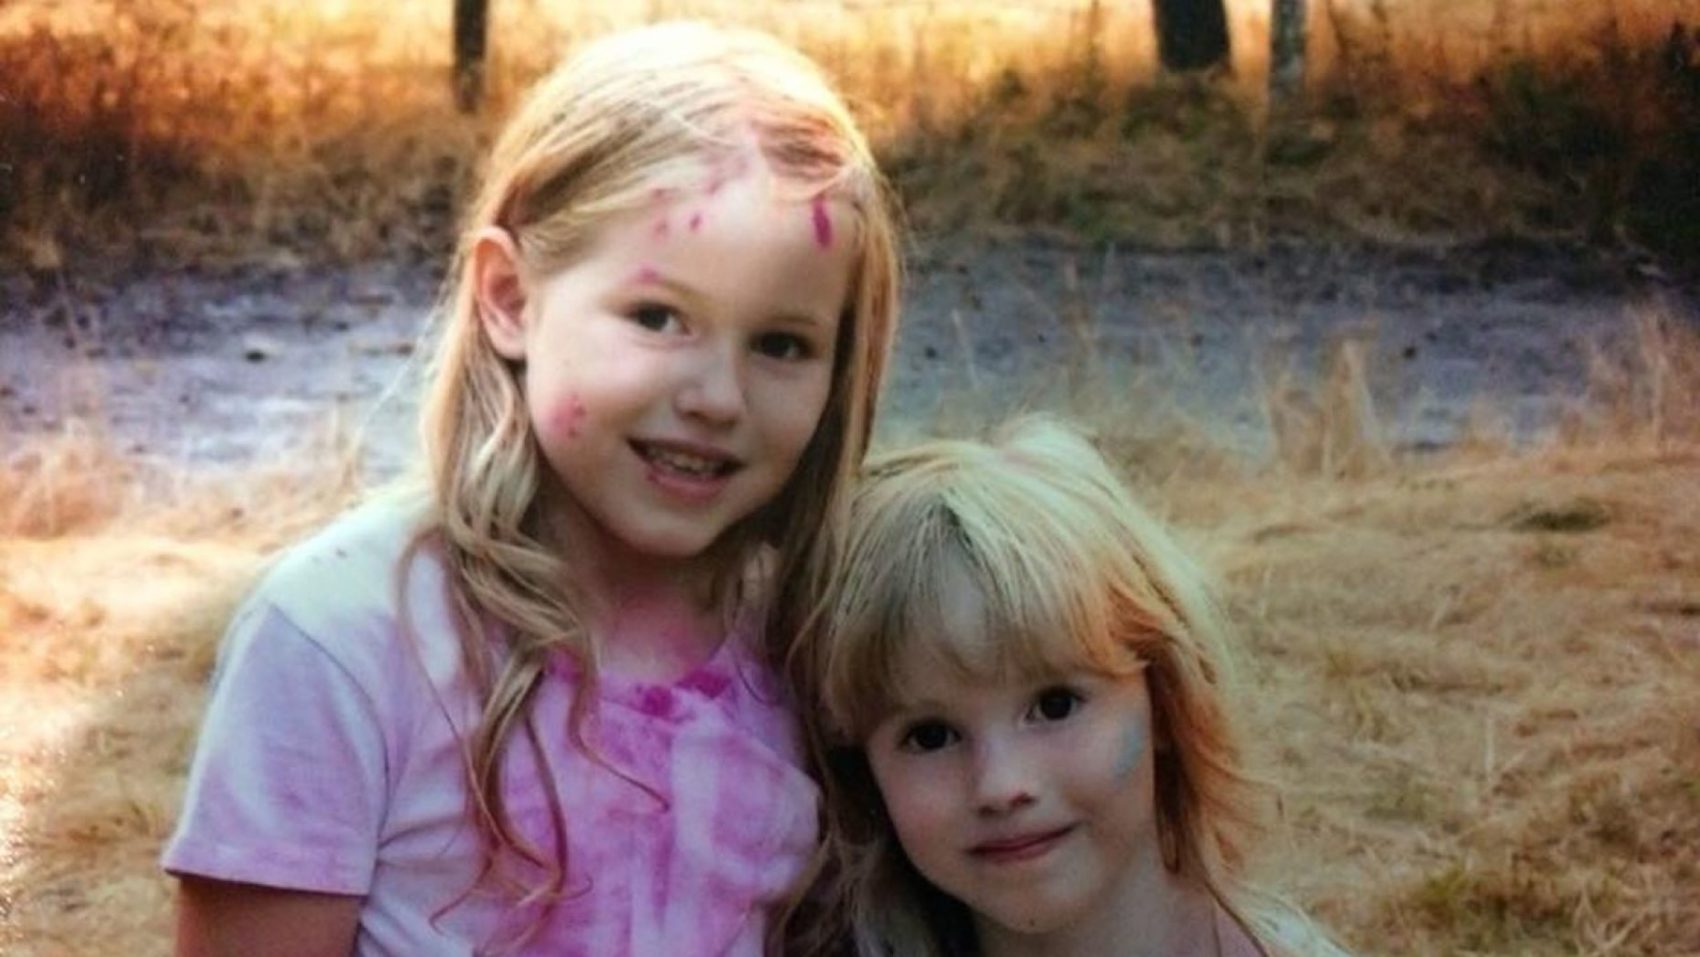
(185, 129)
(117, 574)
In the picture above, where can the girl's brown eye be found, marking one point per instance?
(927, 736)
(654, 317)
(782, 345)
(1056, 704)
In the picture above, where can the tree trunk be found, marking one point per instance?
(1286, 50)
(1191, 34)
(472, 19)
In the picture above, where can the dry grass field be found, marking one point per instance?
(1476, 673)
(194, 130)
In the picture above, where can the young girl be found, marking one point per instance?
(535, 711)
(1026, 730)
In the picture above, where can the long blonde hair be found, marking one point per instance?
(628, 116)
(1072, 573)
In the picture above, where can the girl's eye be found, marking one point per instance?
(1056, 704)
(654, 317)
(783, 345)
(927, 736)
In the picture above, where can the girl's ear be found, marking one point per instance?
(498, 291)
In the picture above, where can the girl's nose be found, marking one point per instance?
(1003, 780)
(713, 390)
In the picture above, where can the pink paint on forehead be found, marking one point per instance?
(696, 221)
(659, 230)
(823, 223)
(646, 274)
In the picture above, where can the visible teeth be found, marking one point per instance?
(685, 462)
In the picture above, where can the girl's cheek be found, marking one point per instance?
(917, 797)
(1134, 742)
(566, 420)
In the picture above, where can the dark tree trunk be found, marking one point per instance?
(472, 18)
(1191, 34)
(1286, 49)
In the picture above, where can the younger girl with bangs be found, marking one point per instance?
(534, 708)
(1026, 732)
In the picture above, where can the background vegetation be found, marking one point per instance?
(1478, 671)
(328, 128)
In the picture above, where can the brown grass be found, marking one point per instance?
(1476, 676)
(169, 128)
(116, 578)
(1488, 724)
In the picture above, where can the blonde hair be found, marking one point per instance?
(626, 119)
(1072, 573)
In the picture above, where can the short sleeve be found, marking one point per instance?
(288, 784)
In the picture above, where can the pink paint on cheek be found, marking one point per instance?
(569, 416)
(823, 223)
(659, 230)
(696, 221)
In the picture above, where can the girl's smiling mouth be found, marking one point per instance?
(1021, 847)
(687, 459)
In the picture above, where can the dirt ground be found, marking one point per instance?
(223, 366)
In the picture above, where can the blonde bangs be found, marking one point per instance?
(1043, 604)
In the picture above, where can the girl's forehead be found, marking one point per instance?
(947, 635)
(704, 173)
(961, 614)
(958, 637)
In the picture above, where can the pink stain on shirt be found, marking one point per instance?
(656, 701)
(702, 869)
(710, 684)
(823, 223)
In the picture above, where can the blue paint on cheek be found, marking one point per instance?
(1133, 748)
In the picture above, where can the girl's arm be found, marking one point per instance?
(227, 919)
(276, 840)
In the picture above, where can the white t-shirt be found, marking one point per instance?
(331, 760)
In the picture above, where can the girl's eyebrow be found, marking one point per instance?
(647, 275)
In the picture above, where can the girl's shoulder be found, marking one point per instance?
(362, 572)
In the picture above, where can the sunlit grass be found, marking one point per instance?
(213, 129)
